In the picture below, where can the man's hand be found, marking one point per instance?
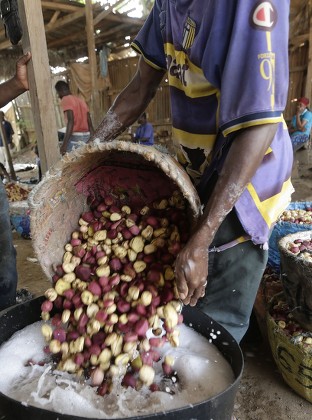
(191, 270)
(21, 70)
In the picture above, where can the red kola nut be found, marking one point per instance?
(103, 389)
(115, 264)
(95, 349)
(103, 281)
(141, 309)
(101, 316)
(77, 300)
(141, 327)
(157, 341)
(83, 272)
(129, 380)
(59, 334)
(46, 306)
(67, 304)
(98, 338)
(114, 280)
(95, 288)
(72, 335)
(79, 359)
(147, 358)
(154, 387)
(56, 320)
(58, 303)
(87, 216)
(123, 306)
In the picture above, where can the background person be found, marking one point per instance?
(77, 117)
(301, 124)
(144, 133)
(8, 130)
(8, 272)
(230, 136)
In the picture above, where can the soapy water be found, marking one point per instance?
(201, 372)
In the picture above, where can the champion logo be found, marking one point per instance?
(264, 16)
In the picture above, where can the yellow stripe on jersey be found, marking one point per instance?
(186, 76)
(252, 123)
(193, 141)
(138, 50)
(272, 208)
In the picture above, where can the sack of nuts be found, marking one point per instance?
(296, 275)
(107, 223)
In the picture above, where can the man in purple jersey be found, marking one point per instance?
(227, 67)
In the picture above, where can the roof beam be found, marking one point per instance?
(60, 6)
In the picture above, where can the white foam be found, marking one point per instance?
(201, 369)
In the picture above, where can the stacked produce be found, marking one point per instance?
(15, 192)
(113, 303)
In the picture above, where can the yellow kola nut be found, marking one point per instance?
(67, 257)
(46, 331)
(50, 294)
(68, 267)
(100, 235)
(147, 375)
(87, 297)
(137, 244)
(105, 356)
(65, 315)
(146, 298)
(139, 266)
(62, 285)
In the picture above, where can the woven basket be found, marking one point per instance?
(293, 362)
(282, 229)
(142, 174)
(297, 280)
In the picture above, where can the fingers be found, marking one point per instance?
(24, 59)
(194, 295)
(198, 293)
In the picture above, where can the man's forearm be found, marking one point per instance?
(244, 157)
(9, 90)
(130, 103)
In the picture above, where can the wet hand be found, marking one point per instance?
(191, 270)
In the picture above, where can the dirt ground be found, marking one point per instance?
(262, 395)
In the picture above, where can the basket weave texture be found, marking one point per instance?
(142, 174)
(297, 280)
(282, 229)
(293, 363)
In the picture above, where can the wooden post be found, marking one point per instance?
(308, 86)
(39, 77)
(95, 99)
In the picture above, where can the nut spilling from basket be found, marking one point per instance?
(114, 299)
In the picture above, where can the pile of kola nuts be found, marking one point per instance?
(116, 283)
(302, 248)
(300, 216)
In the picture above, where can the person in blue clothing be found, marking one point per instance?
(145, 132)
(301, 124)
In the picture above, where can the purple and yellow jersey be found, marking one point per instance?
(227, 65)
